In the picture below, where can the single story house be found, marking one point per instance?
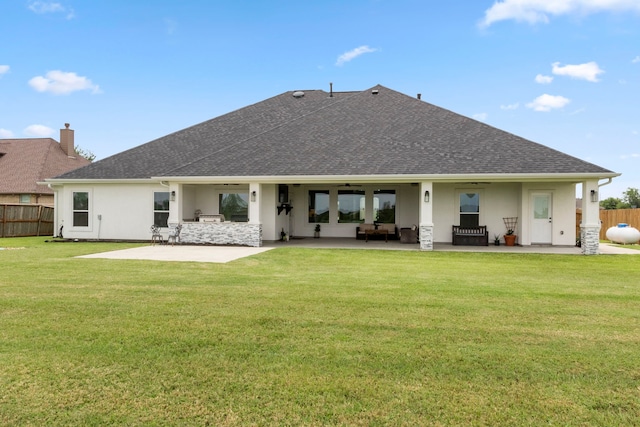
(339, 160)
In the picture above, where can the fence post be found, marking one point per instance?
(39, 220)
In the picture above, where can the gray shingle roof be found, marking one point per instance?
(351, 133)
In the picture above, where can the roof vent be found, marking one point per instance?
(374, 91)
(298, 94)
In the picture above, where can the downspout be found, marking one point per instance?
(55, 212)
(609, 180)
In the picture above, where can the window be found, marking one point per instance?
(384, 206)
(319, 206)
(469, 209)
(25, 198)
(234, 206)
(160, 208)
(80, 209)
(351, 206)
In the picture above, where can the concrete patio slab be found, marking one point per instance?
(216, 254)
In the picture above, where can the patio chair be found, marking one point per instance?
(174, 234)
(156, 237)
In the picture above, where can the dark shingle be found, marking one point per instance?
(354, 133)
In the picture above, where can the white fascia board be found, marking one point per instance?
(55, 181)
(352, 179)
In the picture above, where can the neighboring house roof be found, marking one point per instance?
(25, 162)
(374, 132)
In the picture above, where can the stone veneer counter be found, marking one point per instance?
(222, 233)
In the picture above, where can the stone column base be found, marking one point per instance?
(426, 237)
(590, 239)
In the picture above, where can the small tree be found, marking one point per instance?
(631, 197)
(85, 153)
(613, 203)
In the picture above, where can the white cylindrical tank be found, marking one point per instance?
(624, 234)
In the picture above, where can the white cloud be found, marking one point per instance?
(636, 59)
(548, 102)
(535, 11)
(62, 83)
(588, 71)
(42, 7)
(4, 69)
(352, 54)
(481, 116)
(5, 133)
(39, 131)
(510, 106)
(630, 156)
(543, 80)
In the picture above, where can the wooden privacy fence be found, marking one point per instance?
(612, 217)
(26, 220)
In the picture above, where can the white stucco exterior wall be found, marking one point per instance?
(116, 211)
(497, 200)
(563, 208)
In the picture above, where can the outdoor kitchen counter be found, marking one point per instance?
(222, 233)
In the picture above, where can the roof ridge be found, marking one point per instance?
(300, 117)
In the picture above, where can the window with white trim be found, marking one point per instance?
(469, 209)
(160, 208)
(80, 208)
(234, 206)
(351, 206)
(384, 206)
(319, 206)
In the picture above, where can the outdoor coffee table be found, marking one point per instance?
(376, 232)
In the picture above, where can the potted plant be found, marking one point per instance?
(510, 237)
(316, 232)
(496, 239)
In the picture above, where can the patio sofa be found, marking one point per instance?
(470, 236)
(361, 231)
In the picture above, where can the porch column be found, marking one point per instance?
(255, 201)
(175, 204)
(255, 190)
(590, 225)
(426, 215)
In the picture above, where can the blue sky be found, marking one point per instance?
(564, 73)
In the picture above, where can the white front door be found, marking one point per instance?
(541, 224)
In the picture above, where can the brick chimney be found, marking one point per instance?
(66, 141)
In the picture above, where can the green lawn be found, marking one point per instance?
(318, 337)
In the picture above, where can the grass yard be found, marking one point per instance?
(318, 337)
